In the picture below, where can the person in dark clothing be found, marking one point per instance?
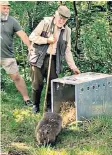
(55, 36)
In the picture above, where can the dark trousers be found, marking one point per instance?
(38, 75)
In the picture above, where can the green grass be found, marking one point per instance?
(18, 126)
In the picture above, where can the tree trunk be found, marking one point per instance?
(109, 7)
(89, 5)
(31, 16)
(77, 28)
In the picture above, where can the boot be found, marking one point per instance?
(36, 101)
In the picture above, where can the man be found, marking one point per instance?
(9, 26)
(59, 44)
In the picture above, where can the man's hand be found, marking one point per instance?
(76, 71)
(51, 40)
(31, 50)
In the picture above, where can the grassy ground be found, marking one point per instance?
(93, 137)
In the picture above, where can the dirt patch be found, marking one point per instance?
(68, 113)
(17, 152)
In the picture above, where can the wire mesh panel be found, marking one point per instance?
(90, 92)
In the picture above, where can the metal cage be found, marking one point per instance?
(91, 93)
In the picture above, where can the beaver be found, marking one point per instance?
(48, 128)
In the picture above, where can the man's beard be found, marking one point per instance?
(4, 17)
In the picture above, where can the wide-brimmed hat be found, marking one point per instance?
(64, 11)
(4, 3)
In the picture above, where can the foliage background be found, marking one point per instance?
(94, 45)
(93, 53)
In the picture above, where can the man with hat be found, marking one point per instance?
(9, 26)
(56, 35)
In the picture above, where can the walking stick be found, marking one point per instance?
(48, 75)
